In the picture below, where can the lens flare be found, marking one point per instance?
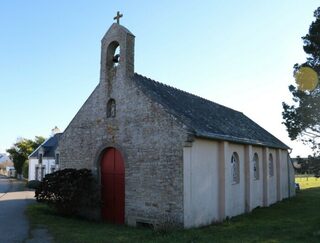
(306, 78)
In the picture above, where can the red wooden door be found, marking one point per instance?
(112, 186)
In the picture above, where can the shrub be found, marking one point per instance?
(33, 184)
(69, 191)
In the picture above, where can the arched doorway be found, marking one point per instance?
(112, 186)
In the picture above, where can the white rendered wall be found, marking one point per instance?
(209, 192)
(48, 163)
(201, 183)
(235, 193)
(32, 164)
(256, 185)
(284, 174)
(272, 180)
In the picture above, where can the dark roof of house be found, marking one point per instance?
(205, 118)
(49, 146)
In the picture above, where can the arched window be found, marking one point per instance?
(111, 108)
(271, 167)
(255, 166)
(235, 168)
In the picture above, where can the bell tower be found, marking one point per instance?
(117, 53)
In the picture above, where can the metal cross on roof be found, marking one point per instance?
(119, 15)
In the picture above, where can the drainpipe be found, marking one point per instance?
(289, 160)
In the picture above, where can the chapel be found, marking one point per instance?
(163, 155)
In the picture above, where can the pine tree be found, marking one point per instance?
(302, 118)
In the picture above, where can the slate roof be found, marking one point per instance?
(49, 146)
(205, 118)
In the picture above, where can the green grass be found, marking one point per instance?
(308, 182)
(292, 220)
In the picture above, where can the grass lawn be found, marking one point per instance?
(292, 220)
(308, 182)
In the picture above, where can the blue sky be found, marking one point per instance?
(236, 53)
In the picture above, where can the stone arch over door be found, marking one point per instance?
(112, 186)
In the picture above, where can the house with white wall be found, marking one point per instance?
(45, 159)
(6, 166)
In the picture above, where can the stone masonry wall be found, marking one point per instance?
(150, 139)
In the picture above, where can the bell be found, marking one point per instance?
(116, 58)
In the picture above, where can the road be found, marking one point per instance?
(14, 226)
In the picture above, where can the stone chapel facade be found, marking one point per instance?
(164, 155)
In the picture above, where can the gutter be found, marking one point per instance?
(228, 138)
(289, 161)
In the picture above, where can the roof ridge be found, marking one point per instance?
(186, 92)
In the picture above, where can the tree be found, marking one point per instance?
(20, 151)
(314, 165)
(301, 165)
(302, 119)
(25, 169)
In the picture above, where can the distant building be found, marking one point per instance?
(10, 171)
(45, 159)
(6, 166)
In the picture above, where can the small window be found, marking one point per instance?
(40, 158)
(37, 173)
(52, 169)
(235, 168)
(111, 108)
(255, 166)
(43, 172)
(57, 159)
(271, 167)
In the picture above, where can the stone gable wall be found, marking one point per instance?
(150, 140)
